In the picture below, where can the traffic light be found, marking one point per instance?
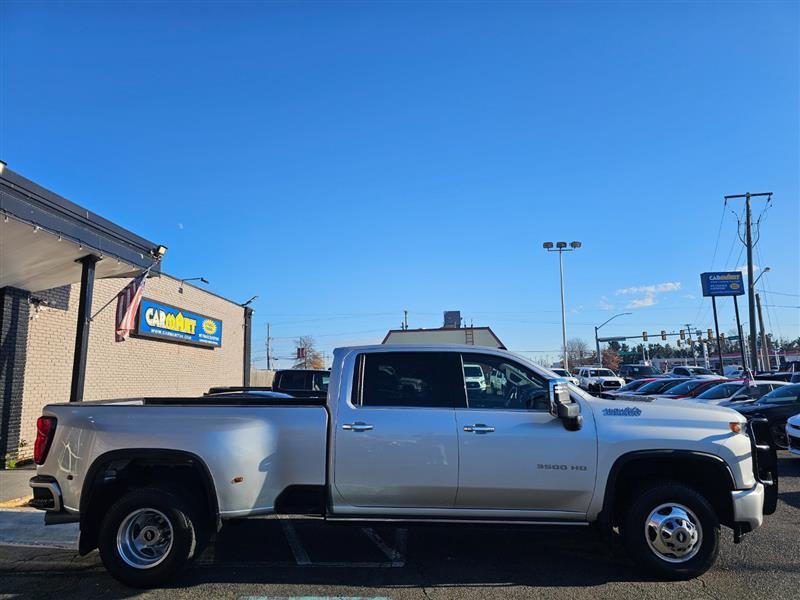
(683, 334)
(663, 335)
(710, 334)
(644, 336)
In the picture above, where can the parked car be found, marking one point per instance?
(474, 377)
(301, 383)
(733, 371)
(692, 371)
(736, 392)
(793, 434)
(597, 379)
(626, 389)
(690, 389)
(776, 407)
(566, 375)
(786, 376)
(658, 386)
(155, 481)
(631, 372)
(791, 365)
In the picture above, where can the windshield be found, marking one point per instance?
(471, 371)
(700, 371)
(687, 387)
(655, 387)
(642, 370)
(633, 385)
(723, 390)
(785, 393)
(561, 372)
(601, 373)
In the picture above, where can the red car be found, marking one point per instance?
(692, 388)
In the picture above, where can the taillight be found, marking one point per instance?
(45, 428)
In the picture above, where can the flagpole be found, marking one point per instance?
(107, 304)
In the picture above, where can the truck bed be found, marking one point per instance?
(253, 447)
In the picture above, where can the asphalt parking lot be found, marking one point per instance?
(270, 558)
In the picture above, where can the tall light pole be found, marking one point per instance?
(561, 247)
(597, 340)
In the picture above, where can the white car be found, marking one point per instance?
(793, 434)
(733, 371)
(566, 375)
(597, 379)
(693, 372)
(474, 377)
(733, 392)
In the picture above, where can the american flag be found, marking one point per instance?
(128, 301)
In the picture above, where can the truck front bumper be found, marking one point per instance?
(748, 507)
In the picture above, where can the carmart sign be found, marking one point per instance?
(725, 283)
(166, 322)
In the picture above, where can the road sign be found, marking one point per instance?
(724, 283)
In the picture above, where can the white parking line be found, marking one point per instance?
(300, 554)
(395, 555)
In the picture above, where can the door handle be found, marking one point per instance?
(358, 426)
(478, 428)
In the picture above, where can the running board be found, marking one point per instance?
(425, 520)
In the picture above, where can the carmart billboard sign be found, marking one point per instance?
(166, 322)
(726, 283)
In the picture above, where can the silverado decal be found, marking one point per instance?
(622, 412)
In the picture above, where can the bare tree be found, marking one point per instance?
(308, 356)
(611, 359)
(577, 351)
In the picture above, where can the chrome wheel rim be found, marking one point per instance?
(144, 538)
(673, 533)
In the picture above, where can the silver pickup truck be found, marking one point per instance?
(404, 436)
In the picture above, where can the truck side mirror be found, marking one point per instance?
(562, 406)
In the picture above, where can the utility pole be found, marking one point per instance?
(764, 346)
(269, 358)
(405, 320)
(739, 331)
(750, 280)
(691, 344)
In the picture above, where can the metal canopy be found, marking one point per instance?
(42, 235)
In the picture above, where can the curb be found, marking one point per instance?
(16, 502)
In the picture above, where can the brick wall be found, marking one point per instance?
(135, 367)
(14, 311)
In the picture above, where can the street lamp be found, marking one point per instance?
(596, 339)
(765, 270)
(200, 279)
(561, 247)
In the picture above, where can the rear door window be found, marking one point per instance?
(409, 380)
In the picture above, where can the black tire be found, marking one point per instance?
(635, 533)
(779, 438)
(164, 503)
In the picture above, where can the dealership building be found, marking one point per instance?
(61, 268)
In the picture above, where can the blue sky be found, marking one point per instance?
(346, 161)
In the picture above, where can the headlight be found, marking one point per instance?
(737, 427)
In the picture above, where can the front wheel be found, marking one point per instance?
(672, 531)
(147, 536)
